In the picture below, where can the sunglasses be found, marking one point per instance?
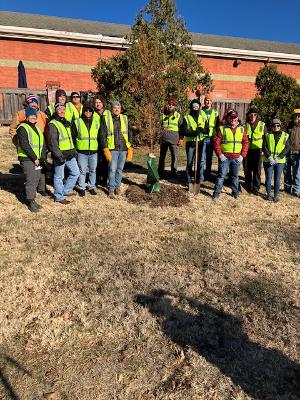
(88, 110)
(75, 97)
(277, 125)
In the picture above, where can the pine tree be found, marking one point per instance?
(278, 95)
(158, 63)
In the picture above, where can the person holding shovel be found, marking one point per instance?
(231, 147)
(192, 130)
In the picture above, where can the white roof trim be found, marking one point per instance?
(49, 35)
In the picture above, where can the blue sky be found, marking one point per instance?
(258, 19)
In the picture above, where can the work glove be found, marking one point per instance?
(129, 154)
(107, 154)
(222, 158)
(271, 160)
(180, 142)
(240, 159)
(276, 160)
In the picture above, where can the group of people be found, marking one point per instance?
(234, 143)
(88, 138)
(81, 138)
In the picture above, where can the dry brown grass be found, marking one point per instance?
(111, 300)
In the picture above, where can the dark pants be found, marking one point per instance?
(32, 177)
(206, 155)
(102, 167)
(269, 170)
(162, 156)
(252, 168)
(190, 149)
(292, 174)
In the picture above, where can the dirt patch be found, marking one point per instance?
(168, 196)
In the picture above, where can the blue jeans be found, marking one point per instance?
(292, 174)
(233, 166)
(269, 169)
(115, 168)
(61, 189)
(206, 154)
(87, 162)
(190, 150)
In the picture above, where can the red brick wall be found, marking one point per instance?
(226, 80)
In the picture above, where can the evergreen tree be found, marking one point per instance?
(278, 95)
(158, 63)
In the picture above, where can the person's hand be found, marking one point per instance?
(271, 160)
(276, 160)
(37, 163)
(222, 158)
(240, 159)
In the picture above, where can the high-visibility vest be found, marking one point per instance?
(98, 116)
(171, 122)
(35, 139)
(110, 130)
(72, 112)
(192, 125)
(87, 139)
(231, 142)
(212, 119)
(276, 149)
(256, 137)
(65, 141)
(51, 109)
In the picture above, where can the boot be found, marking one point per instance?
(37, 205)
(111, 193)
(32, 206)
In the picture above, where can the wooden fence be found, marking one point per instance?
(11, 100)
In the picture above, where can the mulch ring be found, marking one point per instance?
(168, 196)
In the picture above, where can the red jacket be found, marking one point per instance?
(230, 156)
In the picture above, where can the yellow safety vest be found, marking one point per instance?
(231, 143)
(65, 141)
(87, 139)
(72, 112)
(110, 130)
(211, 121)
(170, 122)
(192, 125)
(256, 137)
(36, 141)
(276, 149)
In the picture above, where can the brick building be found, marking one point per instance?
(64, 50)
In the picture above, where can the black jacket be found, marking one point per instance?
(276, 137)
(53, 135)
(120, 144)
(24, 143)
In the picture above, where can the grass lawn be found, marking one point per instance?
(106, 299)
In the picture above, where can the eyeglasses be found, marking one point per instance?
(277, 125)
(75, 97)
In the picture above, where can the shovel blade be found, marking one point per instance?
(196, 188)
(191, 187)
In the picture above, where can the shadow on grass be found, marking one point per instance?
(13, 183)
(262, 373)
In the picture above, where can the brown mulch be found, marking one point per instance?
(168, 196)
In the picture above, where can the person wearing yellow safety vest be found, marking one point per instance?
(73, 107)
(191, 130)
(61, 98)
(116, 139)
(102, 166)
(31, 153)
(256, 129)
(60, 143)
(211, 118)
(275, 148)
(170, 124)
(86, 133)
(231, 146)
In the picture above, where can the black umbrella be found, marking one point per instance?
(22, 82)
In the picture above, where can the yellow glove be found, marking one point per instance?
(107, 154)
(129, 154)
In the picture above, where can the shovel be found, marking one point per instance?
(195, 187)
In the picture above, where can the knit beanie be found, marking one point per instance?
(31, 98)
(30, 111)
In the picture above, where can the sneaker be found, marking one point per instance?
(111, 193)
(276, 199)
(64, 201)
(81, 192)
(37, 205)
(117, 191)
(215, 197)
(93, 192)
(235, 195)
(45, 193)
(269, 197)
(32, 206)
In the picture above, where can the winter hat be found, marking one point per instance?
(233, 114)
(30, 111)
(171, 102)
(115, 103)
(31, 98)
(87, 106)
(252, 110)
(73, 93)
(59, 105)
(276, 121)
(195, 105)
(60, 92)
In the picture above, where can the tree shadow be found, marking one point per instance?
(8, 387)
(262, 373)
(13, 183)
